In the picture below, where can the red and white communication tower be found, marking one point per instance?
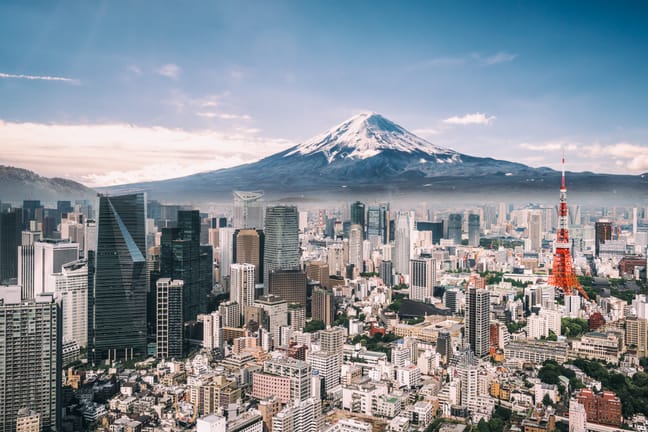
(562, 273)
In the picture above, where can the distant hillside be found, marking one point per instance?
(17, 184)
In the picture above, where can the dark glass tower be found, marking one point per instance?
(377, 223)
(10, 228)
(455, 227)
(120, 276)
(181, 260)
(358, 215)
(281, 240)
(473, 229)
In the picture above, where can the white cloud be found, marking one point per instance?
(169, 70)
(500, 57)
(109, 154)
(223, 116)
(135, 70)
(39, 78)
(550, 146)
(468, 119)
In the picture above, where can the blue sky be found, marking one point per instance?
(108, 92)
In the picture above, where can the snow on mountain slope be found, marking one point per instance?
(364, 136)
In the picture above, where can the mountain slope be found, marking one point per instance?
(17, 184)
(369, 155)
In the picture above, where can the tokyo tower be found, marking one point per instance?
(562, 273)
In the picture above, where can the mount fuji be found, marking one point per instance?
(369, 156)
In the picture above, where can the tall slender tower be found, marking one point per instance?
(562, 273)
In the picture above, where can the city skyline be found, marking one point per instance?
(519, 83)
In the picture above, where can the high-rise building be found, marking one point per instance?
(72, 288)
(281, 240)
(118, 295)
(358, 215)
(577, 417)
(225, 252)
(181, 259)
(477, 323)
(422, 278)
(304, 416)
(230, 313)
(602, 233)
(10, 228)
(49, 257)
(248, 210)
(378, 223)
(355, 247)
(26, 269)
(444, 345)
(318, 271)
(296, 316)
(535, 231)
(276, 310)
(473, 229)
(436, 228)
(328, 365)
(469, 378)
(212, 330)
(242, 284)
(386, 273)
(401, 252)
(455, 227)
(451, 299)
(30, 361)
(169, 322)
(323, 306)
(248, 246)
(290, 285)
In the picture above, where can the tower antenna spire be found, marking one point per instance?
(563, 169)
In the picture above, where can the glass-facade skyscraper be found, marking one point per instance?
(281, 240)
(117, 308)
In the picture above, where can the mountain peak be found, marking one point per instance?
(363, 136)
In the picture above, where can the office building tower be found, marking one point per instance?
(290, 285)
(296, 316)
(71, 286)
(298, 373)
(477, 323)
(358, 215)
(242, 284)
(473, 230)
(444, 345)
(281, 240)
(402, 247)
(318, 271)
(230, 313)
(212, 330)
(304, 416)
(247, 247)
(602, 233)
(26, 269)
(89, 237)
(10, 228)
(169, 320)
(377, 223)
(335, 258)
(535, 231)
(436, 228)
(355, 247)
(30, 361)
(276, 310)
(469, 379)
(225, 252)
(455, 227)
(181, 259)
(328, 365)
(451, 299)
(386, 273)
(248, 210)
(49, 257)
(32, 210)
(422, 278)
(323, 306)
(118, 295)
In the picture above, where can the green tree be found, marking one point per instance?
(546, 400)
(313, 326)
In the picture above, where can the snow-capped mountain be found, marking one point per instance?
(366, 135)
(369, 156)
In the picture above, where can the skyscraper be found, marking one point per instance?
(444, 345)
(355, 246)
(602, 232)
(358, 215)
(473, 229)
(290, 285)
(323, 306)
(242, 284)
(248, 248)
(26, 268)
(377, 223)
(72, 288)
(248, 210)
(281, 240)
(422, 278)
(455, 224)
(535, 231)
(181, 259)
(10, 228)
(477, 323)
(118, 299)
(49, 257)
(401, 252)
(169, 321)
(30, 361)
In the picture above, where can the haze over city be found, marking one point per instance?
(180, 90)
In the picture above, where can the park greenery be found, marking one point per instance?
(313, 326)
(573, 327)
(397, 302)
(377, 343)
